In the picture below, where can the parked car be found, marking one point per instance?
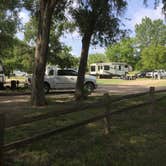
(19, 73)
(56, 78)
(156, 74)
(141, 74)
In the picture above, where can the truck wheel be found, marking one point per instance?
(46, 87)
(89, 87)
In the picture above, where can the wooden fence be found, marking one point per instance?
(106, 102)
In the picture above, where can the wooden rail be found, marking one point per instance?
(99, 103)
(106, 115)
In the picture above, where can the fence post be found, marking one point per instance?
(151, 99)
(2, 132)
(107, 120)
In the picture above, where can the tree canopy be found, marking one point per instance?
(98, 23)
(150, 32)
(154, 57)
(9, 22)
(123, 51)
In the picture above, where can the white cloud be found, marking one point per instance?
(141, 13)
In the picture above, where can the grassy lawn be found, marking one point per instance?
(137, 138)
(141, 81)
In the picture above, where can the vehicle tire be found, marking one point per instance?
(89, 87)
(46, 87)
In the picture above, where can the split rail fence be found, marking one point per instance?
(105, 102)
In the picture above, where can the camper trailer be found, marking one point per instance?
(110, 69)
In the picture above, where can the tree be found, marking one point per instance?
(98, 24)
(148, 35)
(58, 53)
(65, 59)
(150, 32)
(45, 9)
(20, 56)
(154, 57)
(8, 25)
(97, 58)
(123, 51)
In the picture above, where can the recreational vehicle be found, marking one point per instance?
(110, 69)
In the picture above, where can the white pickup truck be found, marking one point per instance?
(56, 78)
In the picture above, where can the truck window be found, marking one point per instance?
(67, 73)
(106, 67)
(93, 68)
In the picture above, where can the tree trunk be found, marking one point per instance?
(45, 15)
(79, 94)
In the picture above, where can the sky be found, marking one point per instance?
(133, 15)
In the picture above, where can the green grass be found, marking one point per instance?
(137, 138)
(111, 81)
(140, 81)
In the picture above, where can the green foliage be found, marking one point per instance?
(122, 51)
(63, 58)
(96, 58)
(20, 56)
(151, 41)
(8, 24)
(99, 19)
(154, 57)
(58, 54)
(150, 32)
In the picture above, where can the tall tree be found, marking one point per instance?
(150, 32)
(98, 24)
(154, 57)
(45, 9)
(123, 51)
(97, 58)
(8, 24)
(58, 53)
(20, 56)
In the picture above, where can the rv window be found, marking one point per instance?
(93, 68)
(101, 67)
(106, 67)
(98, 67)
(119, 67)
(126, 66)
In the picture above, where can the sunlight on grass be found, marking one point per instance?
(140, 82)
(137, 138)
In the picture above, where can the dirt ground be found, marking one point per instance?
(14, 103)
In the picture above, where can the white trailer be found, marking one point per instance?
(110, 69)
